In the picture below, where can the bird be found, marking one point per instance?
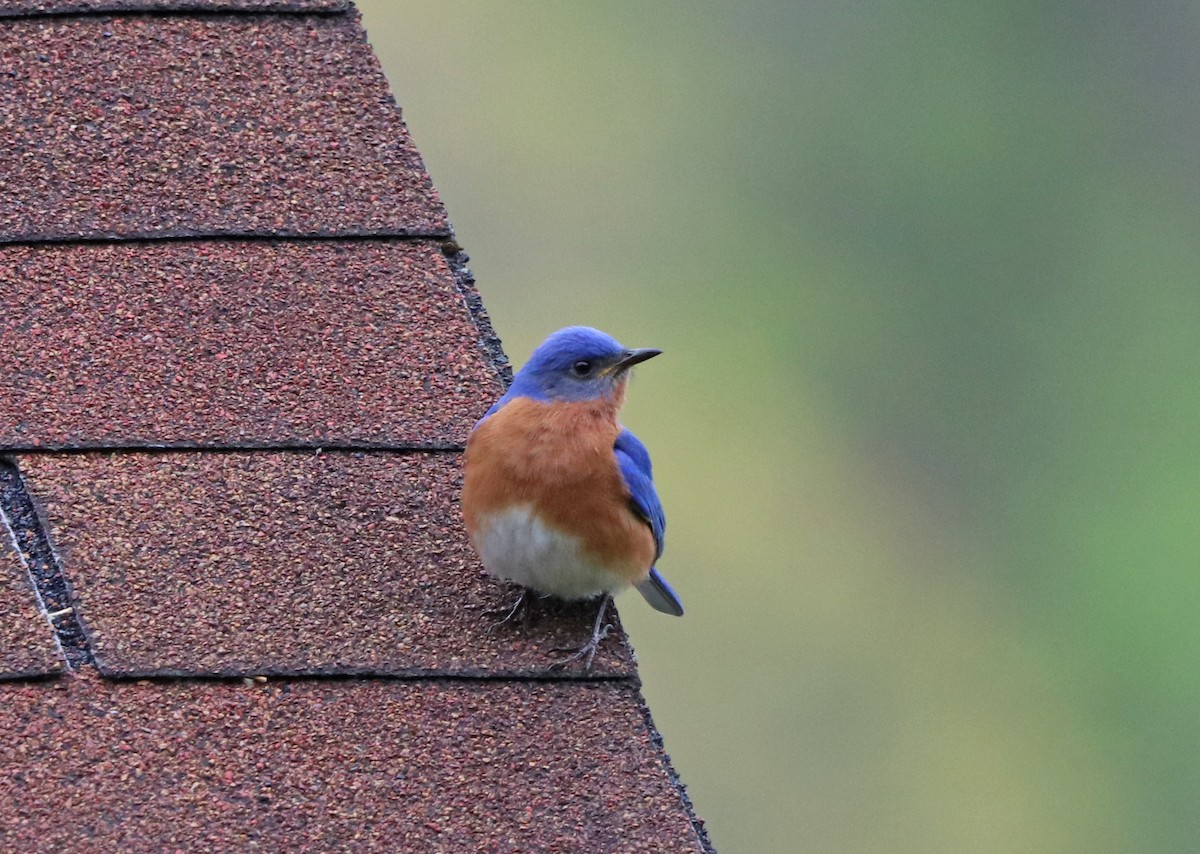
(557, 495)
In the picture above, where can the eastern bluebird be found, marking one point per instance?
(557, 495)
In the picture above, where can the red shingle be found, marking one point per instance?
(237, 343)
(58, 7)
(218, 124)
(243, 563)
(324, 765)
(27, 646)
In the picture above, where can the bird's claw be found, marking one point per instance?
(518, 613)
(587, 651)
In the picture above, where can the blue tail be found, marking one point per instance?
(659, 594)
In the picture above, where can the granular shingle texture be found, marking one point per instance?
(240, 353)
(237, 344)
(333, 765)
(27, 646)
(170, 125)
(233, 563)
(58, 7)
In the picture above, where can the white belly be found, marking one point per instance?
(516, 546)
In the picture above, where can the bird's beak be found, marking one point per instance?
(633, 357)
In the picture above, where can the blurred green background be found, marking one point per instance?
(927, 277)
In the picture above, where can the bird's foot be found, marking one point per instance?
(518, 613)
(587, 652)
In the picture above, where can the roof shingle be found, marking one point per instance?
(330, 765)
(177, 125)
(302, 563)
(237, 344)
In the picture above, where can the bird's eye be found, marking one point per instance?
(581, 368)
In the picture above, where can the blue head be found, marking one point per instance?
(577, 363)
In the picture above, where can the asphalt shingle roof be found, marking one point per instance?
(176, 125)
(239, 356)
(237, 343)
(333, 765)
(293, 562)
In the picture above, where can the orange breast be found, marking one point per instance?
(558, 457)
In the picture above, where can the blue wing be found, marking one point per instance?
(634, 461)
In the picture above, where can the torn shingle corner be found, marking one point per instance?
(30, 538)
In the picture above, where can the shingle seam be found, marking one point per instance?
(313, 447)
(444, 238)
(29, 534)
(178, 12)
(630, 680)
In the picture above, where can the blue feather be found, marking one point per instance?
(634, 461)
(659, 594)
